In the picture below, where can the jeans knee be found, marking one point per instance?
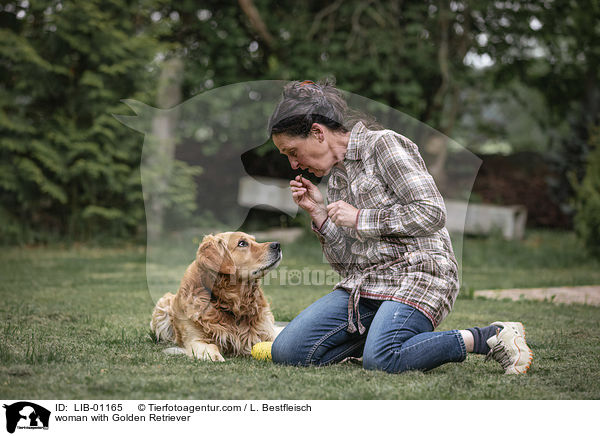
(286, 351)
(279, 350)
(376, 360)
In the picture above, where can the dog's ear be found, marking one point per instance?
(214, 255)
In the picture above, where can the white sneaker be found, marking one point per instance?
(508, 347)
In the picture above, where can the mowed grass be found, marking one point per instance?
(74, 325)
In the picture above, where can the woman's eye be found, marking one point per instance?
(293, 153)
(242, 243)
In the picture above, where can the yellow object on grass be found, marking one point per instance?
(262, 351)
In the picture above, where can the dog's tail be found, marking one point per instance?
(161, 323)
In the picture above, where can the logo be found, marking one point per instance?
(26, 415)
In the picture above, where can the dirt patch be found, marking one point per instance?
(568, 295)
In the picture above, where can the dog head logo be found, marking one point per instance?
(194, 178)
(26, 415)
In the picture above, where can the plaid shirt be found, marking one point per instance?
(400, 249)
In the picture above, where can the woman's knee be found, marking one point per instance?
(295, 345)
(288, 349)
(375, 358)
(395, 325)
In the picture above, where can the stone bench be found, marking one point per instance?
(483, 219)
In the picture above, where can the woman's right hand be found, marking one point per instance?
(308, 197)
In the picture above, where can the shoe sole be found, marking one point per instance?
(523, 367)
(523, 332)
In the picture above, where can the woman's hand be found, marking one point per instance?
(342, 214)
(308, 197)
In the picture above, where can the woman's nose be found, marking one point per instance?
(293, 163)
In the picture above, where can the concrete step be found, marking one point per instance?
(565, 294)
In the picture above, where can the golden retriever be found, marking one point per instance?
(220, 307)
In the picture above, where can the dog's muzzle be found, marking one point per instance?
(275, 256)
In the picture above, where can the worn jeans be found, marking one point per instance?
(398, 337)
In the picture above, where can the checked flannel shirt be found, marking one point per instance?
(400, 249)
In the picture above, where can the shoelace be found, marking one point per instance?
(499, 354)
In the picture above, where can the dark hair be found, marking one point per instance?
(305, 103)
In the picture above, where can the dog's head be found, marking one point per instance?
(239, 255)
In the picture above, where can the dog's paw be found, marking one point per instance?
(217, 357)
(209, 356)
(206, 352)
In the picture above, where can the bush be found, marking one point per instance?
(587, 199)
(67, 166)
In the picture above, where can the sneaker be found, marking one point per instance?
(508, 347)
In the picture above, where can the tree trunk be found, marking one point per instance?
(162, 145)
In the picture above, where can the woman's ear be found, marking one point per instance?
(317, 130)
(213, 255)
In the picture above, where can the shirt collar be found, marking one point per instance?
(356, 137)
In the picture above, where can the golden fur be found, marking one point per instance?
(220, 307)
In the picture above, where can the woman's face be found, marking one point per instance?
(311, 153)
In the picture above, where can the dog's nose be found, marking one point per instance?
(275, 246)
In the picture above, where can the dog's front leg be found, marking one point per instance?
(203, 351)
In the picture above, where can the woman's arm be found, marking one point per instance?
(335, 244)
(421, 210)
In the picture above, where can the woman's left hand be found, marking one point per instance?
(342, 214)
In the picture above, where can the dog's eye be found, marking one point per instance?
(242, 243)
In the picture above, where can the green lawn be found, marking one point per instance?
(74, 325)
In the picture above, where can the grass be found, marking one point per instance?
(74, 325)
(542, 259)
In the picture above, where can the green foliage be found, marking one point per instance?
(551, 47)
(181, 194)
(69, 167)
(506, 120)
(386, 51)
(587, 199)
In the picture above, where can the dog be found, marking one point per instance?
(220, 307)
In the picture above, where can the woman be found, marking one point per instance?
(383, 231)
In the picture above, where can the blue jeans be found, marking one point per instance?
(398, 337)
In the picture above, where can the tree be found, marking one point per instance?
(587, 199)
(67, 166)
(554, 48)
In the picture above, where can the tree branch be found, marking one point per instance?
(319, 17)
(256, 21)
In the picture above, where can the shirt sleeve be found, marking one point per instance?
(420, 210)
(336, 246)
